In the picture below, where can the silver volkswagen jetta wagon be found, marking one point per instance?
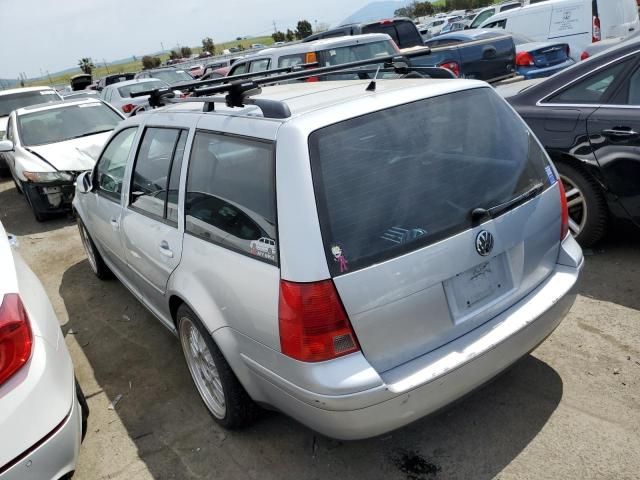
(357, 263)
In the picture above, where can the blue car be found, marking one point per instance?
(533, 59)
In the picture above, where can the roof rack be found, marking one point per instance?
(240, 88)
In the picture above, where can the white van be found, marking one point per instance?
(577, 22)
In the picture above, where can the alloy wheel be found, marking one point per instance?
(576, 204)
(202, 367)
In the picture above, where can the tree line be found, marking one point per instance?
(424, 9)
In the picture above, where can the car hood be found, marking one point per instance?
(73, 155)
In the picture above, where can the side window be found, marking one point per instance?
(498, 24)
(592, 89)
(231, 197)
(259, 65)
(628, 94)
(152, 171)
(291, 60)
(482, 17)
(112, 163)
(239, 69)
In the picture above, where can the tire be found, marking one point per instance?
(230, 405)
(38, 215)
(84, 408)
(96, 262)
(589, 212)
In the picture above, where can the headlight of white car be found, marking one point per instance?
(46, 177)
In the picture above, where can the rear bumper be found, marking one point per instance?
(54, 455)
(430, 382)
(534, 72)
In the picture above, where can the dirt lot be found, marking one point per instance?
(569, 410)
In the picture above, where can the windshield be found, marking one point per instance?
(396, 180)
(482, 16)
(172, 76)
(60, 124)
(127, 90)
(353, 53)
(13, 101)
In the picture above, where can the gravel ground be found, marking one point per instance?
(569, 410)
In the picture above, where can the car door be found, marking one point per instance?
(614, 133)
(104, 207)
(151, 235)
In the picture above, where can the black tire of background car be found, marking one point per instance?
(84, 408)
(39, 216)
(596, 205)
(18, 186)
(103, 272)
(241, 410)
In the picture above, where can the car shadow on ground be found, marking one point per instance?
(16, 216)
(612, 268)
(132, 355)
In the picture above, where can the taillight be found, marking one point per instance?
(584, 55)
(386, 22)
(524, 59)
(312, 79)
(596, 35)
(15, 336)
(564, 224)
(452, 66)
(314, 326)
(128, 107)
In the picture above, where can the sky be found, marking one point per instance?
(41, 35)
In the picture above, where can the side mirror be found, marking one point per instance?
(6, 146)
(83, 182)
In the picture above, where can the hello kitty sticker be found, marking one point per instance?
(338, 256)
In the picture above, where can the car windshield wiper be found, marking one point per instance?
(479, 214)
(91, 133)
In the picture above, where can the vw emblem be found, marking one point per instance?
(484, 243)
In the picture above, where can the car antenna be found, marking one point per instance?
(372, 86)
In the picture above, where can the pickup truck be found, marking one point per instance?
(488, 56)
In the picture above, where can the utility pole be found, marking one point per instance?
(162, 46)
(105, 65)
(275, 27)
(49, 76)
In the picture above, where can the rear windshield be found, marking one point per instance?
(127, 90)
(60, 124)
(172, 76)
(353, 53)
(14, 101)
(396, 180)
(404, 33)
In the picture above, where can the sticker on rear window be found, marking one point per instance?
(47, 92)
(338, 256)
(179, 71)
(550, 174)
(92, 104)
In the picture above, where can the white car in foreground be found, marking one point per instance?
(43, 412)
(47, 146)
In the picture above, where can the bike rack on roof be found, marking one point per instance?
(240, 89)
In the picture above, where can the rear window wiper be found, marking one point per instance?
(479, 214)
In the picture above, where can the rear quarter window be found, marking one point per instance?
(396, 180)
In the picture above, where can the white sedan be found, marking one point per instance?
(47, 146)
(119, 94)
(43, 412)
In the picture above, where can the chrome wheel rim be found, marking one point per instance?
(576, 204)
(88, 248)
(202, 368)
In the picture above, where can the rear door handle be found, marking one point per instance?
(620, 132)
(114, 224)
(165, 250)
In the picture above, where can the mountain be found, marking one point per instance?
(375, 11)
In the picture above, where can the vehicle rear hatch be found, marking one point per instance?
(403, 32)
(546, 55)
(395, 191)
